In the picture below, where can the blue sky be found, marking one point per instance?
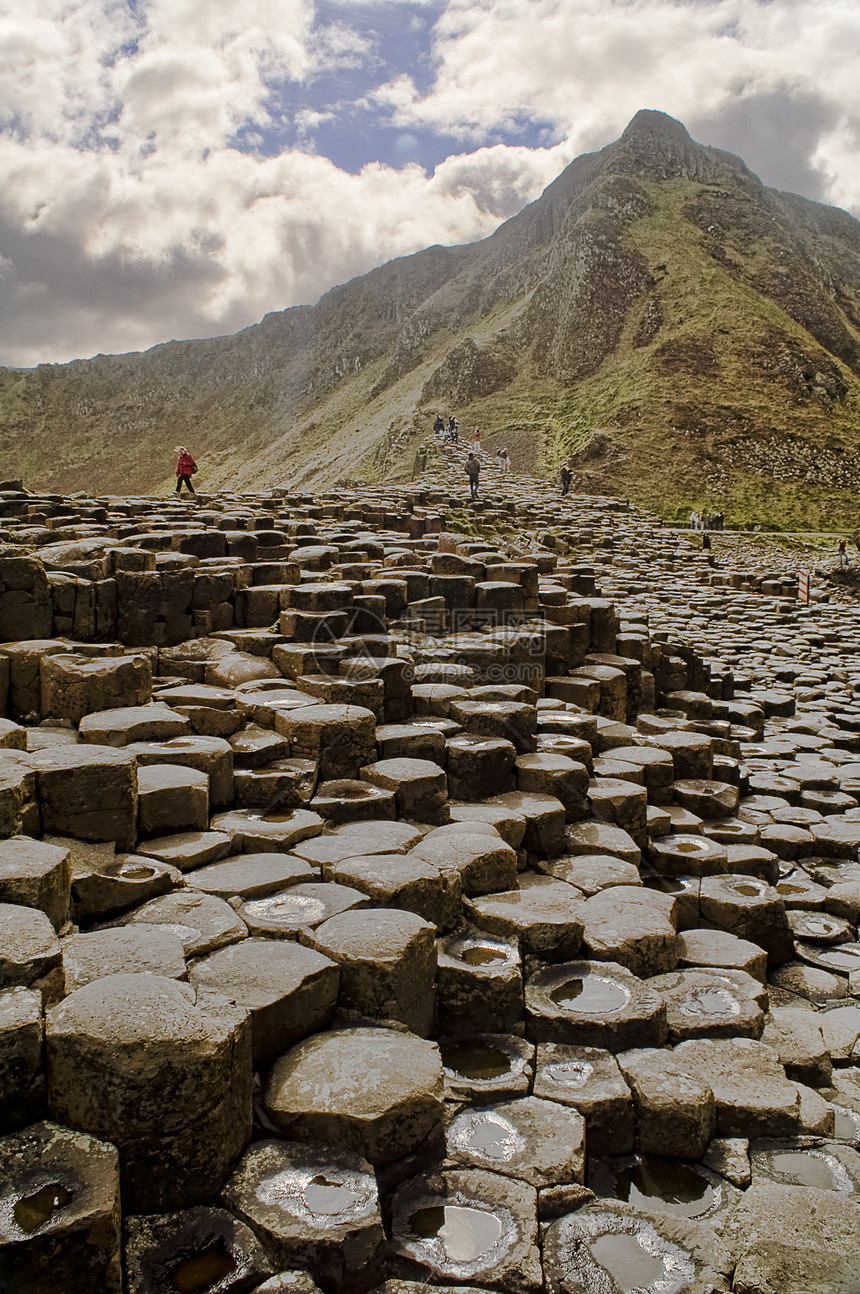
(178, 168)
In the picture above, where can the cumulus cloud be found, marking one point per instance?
(153, 184)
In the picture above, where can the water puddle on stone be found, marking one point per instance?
(844, 958)
(630, 1266)
(277, 817)
(569, 1073)
(33, 1211)
(785, 887)
(135, 872)
(347, 792)
(324, 1195)
(287, 910)
(591, 995)
(806, 1168)
(466, 1233)
(474, 1061)
(749, 891)
(710, 1002)
(487, 1134)
(199, 1273)
(481, 955)
(846, 1125)
(675, 1186)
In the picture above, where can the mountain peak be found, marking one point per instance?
(659, 147)
(650, 124)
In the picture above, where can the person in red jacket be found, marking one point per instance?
(185, 468)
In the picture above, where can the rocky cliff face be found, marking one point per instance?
(657, 293)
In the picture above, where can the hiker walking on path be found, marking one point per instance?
(473, 468)
(504, 461)
(843, 553)
(185, 469)
(476, 444)
(439, 424)
(566, 478)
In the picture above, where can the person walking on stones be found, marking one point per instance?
(439, 424)
(842, 549)
(566, 478)
(504, 461)
(185, 469)
(476, 443)
(473, 468)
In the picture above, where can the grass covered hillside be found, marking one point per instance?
(691, 337)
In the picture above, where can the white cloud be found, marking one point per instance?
(128, 214)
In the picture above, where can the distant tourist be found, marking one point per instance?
(842, 549)
(439, 424)
(504, 461)
(185, 469)
(473, 468)
(566, 478)
(476, 443)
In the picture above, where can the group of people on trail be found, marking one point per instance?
(706, 521)
(449, 432)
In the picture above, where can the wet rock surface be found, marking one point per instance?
(372, 895)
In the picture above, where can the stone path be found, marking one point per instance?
(400, 891)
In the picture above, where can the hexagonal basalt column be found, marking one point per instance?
(675, 1112)
(484, 861)
(545, 816)
(712, 1003)
(289, 990)
(276, 831)
(210, 755)
(162, 1072)
(317, 1208)
(747, 907)
(479, 766)
(171, 799)
(597, 1004)
(752, 1094)
(375, 1092)
(135, 949)
(195, 1249)
(420, 786)
(467, 1225)
(511, 721)
(633, 925)
(30, 954)
(59, 1213)
(554, 774)
(429, 890)
(387, 962)
(87, 792)
(479, 983)
(486, 1066)
(544, 915)
(117, 885)
(22, 1084)
(589, 1080)
(342, 738)
(680, 854)
(531, 1139)
(75, 685)
(36, 875)
(603, 1248)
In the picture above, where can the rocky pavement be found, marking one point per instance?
(397, 891)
